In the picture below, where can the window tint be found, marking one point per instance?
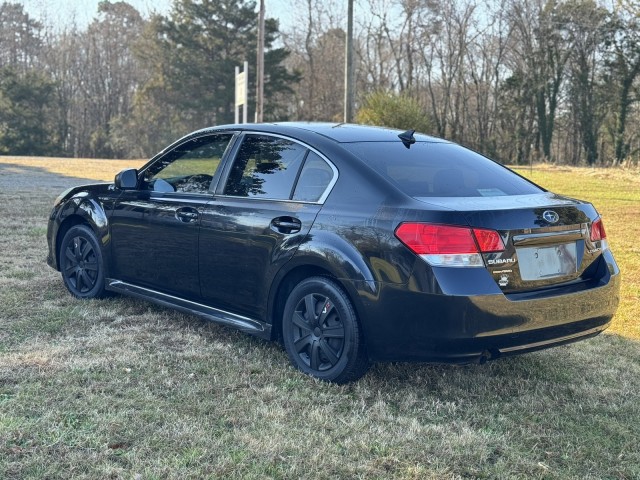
(189, 167)
(314, 179)
(265, 167)
(441, 170)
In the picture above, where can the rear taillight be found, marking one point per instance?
(598, 234)
(449, 245)
(488, 240)
(597, 231)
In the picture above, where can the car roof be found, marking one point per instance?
(350, 132)
(338, 132)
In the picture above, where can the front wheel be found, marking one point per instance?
(321, 332)
(81, 263)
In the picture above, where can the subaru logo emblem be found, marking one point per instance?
(551, 216)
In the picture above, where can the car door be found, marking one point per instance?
(273, 191)
(155, 228)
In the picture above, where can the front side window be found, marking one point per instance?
(189, 167)
(265, 167)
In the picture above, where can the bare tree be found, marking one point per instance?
(62, 63)
(20, 38)
(542, 50)
(110, 77)
(445, 42)
(380, 68)
(485, 58)
(622, 72)
(587, 25)
(316, 43)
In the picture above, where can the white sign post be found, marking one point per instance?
(242, 88)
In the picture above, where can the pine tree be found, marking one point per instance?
(24, 129)
(193, 54)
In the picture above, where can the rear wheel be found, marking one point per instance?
(81, 263)
(321, 332)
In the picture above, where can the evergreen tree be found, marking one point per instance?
(24, 129)
(400, 111)
(193, 54)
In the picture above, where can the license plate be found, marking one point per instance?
(547, 262)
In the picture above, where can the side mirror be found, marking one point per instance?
(127, 179)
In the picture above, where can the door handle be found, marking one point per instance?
(187, 214)
(286, 225)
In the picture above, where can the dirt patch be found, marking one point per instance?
(55, 174)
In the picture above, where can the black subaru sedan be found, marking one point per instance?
(349, 244)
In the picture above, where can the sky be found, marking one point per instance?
(65, 12)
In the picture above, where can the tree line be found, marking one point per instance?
(125, 86)
(518, 80)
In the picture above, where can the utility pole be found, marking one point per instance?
(349, 74)
(260, 67)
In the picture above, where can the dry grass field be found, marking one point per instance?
(121, 389)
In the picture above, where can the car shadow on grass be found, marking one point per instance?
(597, 361)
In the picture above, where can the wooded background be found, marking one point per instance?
(518, 80)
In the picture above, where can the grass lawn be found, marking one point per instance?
(119, 388)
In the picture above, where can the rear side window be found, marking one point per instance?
(265, 167)
(430, 169)
(314, 179)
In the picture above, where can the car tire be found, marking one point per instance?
(321, 332)
(81, 263)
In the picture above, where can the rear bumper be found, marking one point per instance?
(468, 328)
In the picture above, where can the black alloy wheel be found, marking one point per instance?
(81, 263)
(321, 332)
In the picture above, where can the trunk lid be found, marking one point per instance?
(547, 238)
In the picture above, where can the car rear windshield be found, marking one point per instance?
(431, 169)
